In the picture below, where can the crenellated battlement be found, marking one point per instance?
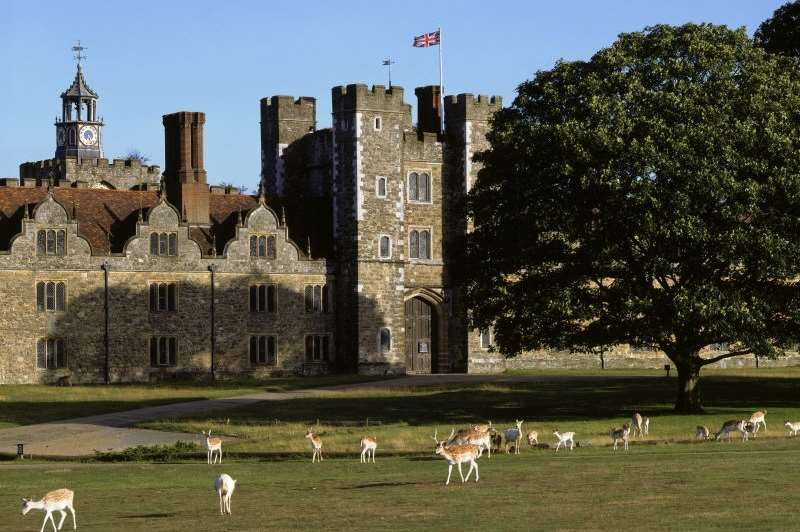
(116, 173)
(289, 108)
(467, 106)
(119, 164)
(359, 96)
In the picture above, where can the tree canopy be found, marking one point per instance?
(780, 34)
(649, 196)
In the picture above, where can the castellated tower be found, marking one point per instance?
(184, 172)
(284, 121)
(368, 127)
(467, 122)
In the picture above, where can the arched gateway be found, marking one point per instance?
(421, 336)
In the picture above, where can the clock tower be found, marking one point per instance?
(79, 131)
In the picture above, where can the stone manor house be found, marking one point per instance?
(115, 271)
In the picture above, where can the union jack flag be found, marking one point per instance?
(426, 39)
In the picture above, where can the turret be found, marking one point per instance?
(79, 130)
(284, 121)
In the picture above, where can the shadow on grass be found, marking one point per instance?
(380, 485)
(147, 516)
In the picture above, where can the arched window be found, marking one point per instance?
(154, 243)
(50, 296)
(413, 244)
(317, 298)
(380, 187)
(385, 247)
(263, 246)
(163, 297)
(164, 244)
(50, 353)
(385, 340)
(51, 242)
(413, 186)
(424, 187)
(424, 244)
(419, 187)
(486, 339)
(271, 251)
(254, 246)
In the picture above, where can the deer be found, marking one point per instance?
(702, 433)
(533, 438)
(316, 445)
(514, 434)
(224, 486)
(758, 418)
(480, 435)
(457, 455)
(368, 446)
(618, 435)
(794, 428)
(212, 445)
(637, 424)
(564, 438)
(731, 426)
(646, 426)
(54, 501)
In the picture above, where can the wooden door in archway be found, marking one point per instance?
(420, 336)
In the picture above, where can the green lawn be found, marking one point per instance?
(29, 403)
(403, 420)
(713, 486)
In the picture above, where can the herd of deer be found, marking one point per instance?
(464, 446)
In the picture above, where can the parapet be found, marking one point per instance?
(358, 96)
(9, 182)
(224, 189)
(466, 106)
(289, 108)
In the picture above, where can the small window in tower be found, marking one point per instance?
(486, 339)
(385, 247)
(385, 340)
(380, 187)
(378, 123)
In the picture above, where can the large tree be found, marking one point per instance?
(780, 34)
(649, 196)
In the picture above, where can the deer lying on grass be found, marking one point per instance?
(620, 435)
(758, 418)
(514, 435)
(533, 438)
(564, 438)
(55, 501)
(480, 435)
(457, 455)
(731, 426)
(702, 433)
(316, 445)
(368, 446)
(794, 428)
(212, 445)
(224, 485)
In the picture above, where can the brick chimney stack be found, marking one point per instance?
(428, 112)
(184, 173)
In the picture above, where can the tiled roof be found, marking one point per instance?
(109, 217)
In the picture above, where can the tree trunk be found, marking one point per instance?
(688, 400)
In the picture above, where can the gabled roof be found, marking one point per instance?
(79, 87)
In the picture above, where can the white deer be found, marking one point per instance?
(702, 433)
(316, 445)
(514, 434)
(368, 446)
(457, 455)
(564, 438)
(759, 418)
(620, 435)
(54, 501)
(224, 485)
(533, 438)
(794, 428)
(646, 426)
(637, 424)
(213, 445)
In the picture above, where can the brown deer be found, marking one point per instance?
(457, 455)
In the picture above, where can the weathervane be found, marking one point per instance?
(77, 52)
(388, 63)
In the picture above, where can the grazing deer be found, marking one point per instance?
(213, 444)
(514, 435)
(316, 445)
(368, 446)
(758, 418)
(457, 455)
(637, 423)
(793, 427)
(702, 433)
(497, 441)
(618, 435)
(480, 435)
(55, 501)
(564, 438)
(224, 485)
(533, 438)
(731, 426)
(646, 426)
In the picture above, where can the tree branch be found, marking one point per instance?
(707, 361)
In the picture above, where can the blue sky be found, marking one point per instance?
(149, 58)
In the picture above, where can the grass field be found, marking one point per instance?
(403, 420)
(26, 404)
(715, 486)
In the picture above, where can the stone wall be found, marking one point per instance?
(98, 173)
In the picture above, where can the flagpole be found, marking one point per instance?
(441, 85)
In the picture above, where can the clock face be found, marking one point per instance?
(62, 137)
(88, 135)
